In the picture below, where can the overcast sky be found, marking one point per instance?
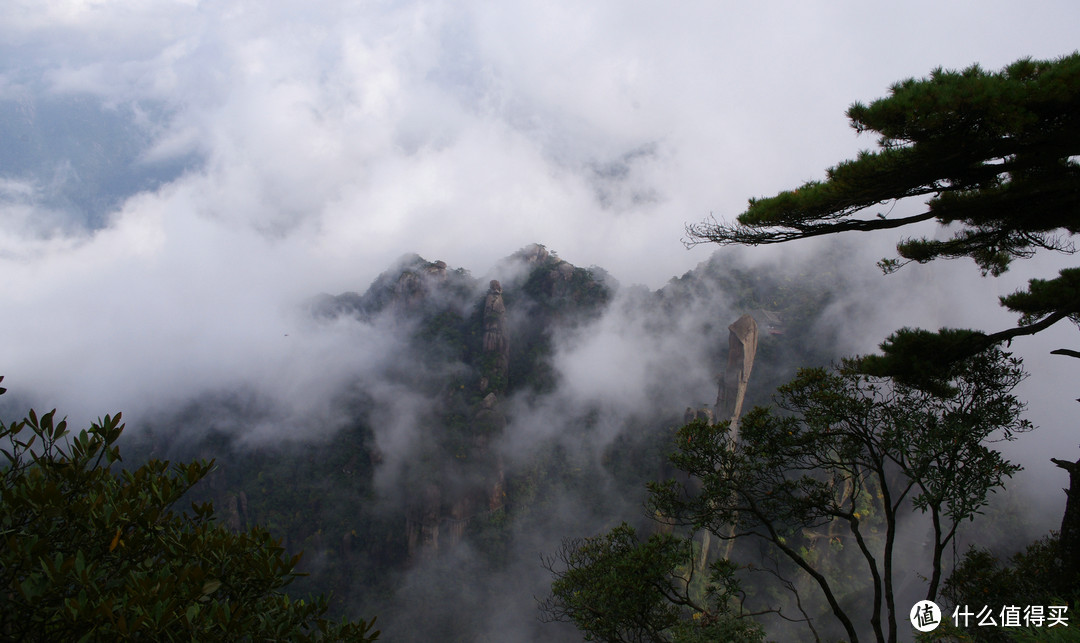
(290, 148)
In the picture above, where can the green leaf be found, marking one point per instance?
(209, 587)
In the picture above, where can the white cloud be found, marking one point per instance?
(321, 141)
(333, 138)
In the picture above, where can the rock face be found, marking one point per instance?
(236, 511)
(704, 413)
(533, 254)
(489, 420)
(496, 345)
(742, 347)
(458, 477)
(415, 285)
(404, 290)
(422, 524)
(460, 498)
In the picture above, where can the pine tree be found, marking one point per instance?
(994, 156)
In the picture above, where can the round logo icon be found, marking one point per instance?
(925, 616)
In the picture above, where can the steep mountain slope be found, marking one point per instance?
(520, 408)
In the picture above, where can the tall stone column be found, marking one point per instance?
(496, 345)
(742, 347)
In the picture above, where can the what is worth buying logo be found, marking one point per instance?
(925, 616)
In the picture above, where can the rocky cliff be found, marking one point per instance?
(496, 345)
(412, 480)
(742, 348)
(463, 477)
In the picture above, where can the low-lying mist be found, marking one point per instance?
(427, 441)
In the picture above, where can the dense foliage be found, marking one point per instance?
(1029, 577)
(823, 489)
(95, 553)
(852, 456)
(618, 589)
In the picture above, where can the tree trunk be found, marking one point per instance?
(1070, 523)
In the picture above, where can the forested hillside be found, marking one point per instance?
(507, 421)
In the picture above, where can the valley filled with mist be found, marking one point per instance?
(415, 275)
(468, 424)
